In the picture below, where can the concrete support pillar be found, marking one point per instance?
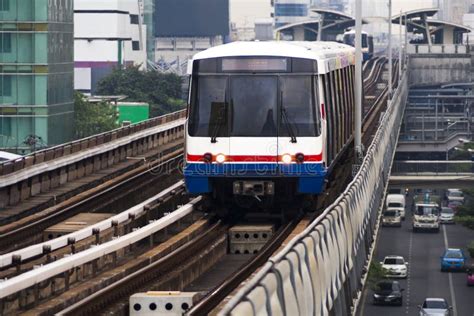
(54, 177)
(14, 194)
(45, 183)
(96, 163)
(89, 166)
(35, 186)
(25, 190)
(71, 173)
(80, 169)
(4, 197)
(62, 175)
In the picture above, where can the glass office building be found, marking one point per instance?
(290, 11)
(36, 73)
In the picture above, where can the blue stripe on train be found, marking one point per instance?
(310, 176)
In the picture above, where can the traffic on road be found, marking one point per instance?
(427, 268)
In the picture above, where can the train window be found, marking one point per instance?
(333, 114)
(327, 105)
(304, 65)
(298, 102)
(337, 113)
(351, 99)
(316, 103)
(254, 105)
(345, 83)
(206, 65)
(208, 116)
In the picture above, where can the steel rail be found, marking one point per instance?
(30, 278)
(28, 230)
(36, 250)
(214, 297)
(133, 282)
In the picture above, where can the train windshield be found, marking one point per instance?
(254, 106)
(349, 39)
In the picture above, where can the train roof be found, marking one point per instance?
(353, 32)
(330, 55)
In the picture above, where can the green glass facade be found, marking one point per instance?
(36, 73)
(148, 19)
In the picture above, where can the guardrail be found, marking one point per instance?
(438, 49)
(320, 271)
(66, 264)
(33, 251)
(430, 167)
(41, 171)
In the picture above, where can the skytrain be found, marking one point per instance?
(367, 43)
(267, 121)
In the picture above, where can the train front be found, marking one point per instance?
(254, 126)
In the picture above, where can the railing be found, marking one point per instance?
(320, 271)
(44, 170)
(438, 49)
(438, 167)
(84, 143)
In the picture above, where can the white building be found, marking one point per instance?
(244, 14)
(468, 20)
(107, 34)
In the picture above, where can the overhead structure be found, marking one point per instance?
(432, 31)
(330, 22)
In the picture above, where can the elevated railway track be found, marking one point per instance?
(45, 296)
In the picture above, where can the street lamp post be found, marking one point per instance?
(390, 50)
(358, 80)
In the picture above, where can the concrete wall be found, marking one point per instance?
(440, 68)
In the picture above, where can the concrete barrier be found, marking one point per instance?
(322, 270)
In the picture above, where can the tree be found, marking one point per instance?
(161, 91)
(91, 119)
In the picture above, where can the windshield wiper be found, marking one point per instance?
(288, 124)
(220, 120)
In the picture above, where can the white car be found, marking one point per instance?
(435, 307)
(395, 266)
(391, 218)
(446, 216)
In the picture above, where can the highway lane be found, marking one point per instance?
(423, 251)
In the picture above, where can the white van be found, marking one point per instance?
(454, 195)
(396, 202)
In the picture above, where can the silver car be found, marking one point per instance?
(435, 307)
(446, 216)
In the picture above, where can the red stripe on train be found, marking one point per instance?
(248, 158)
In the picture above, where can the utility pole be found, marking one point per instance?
(400, 48)
(406, 40)
(390, 50)
(358, 81)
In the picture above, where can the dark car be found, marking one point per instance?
(388, 292)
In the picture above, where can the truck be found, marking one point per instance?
(426, 217)
(396, 202)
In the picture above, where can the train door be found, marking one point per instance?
(253, 131)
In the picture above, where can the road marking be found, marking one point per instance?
(450, 276)
(364, 296)
(410, 248)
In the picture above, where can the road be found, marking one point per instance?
(423, 251)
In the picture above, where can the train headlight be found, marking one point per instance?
(299, 157)
(207, 157)
(286, 158)
(220, 158)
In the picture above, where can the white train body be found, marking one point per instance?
(267, 120)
